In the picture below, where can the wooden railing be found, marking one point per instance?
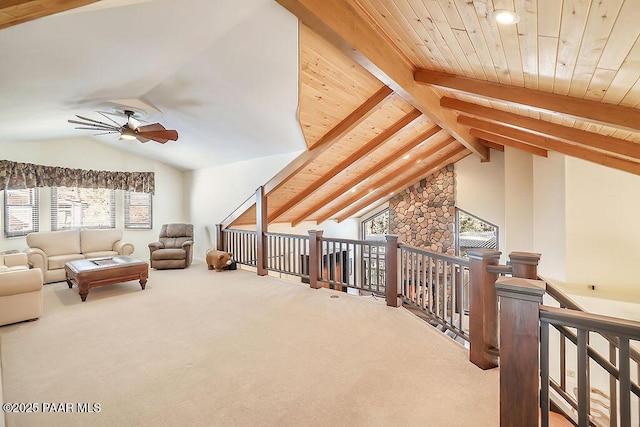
(288, 254)
(356, 264)
(448, 289)
(618, 365)
(542, 385)
(241, 243)
(438, 284)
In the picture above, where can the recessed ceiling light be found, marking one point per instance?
(406, 156)
(506, 17)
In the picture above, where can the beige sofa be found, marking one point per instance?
(50, 250)
(20, 290)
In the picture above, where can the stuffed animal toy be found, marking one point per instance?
(218, 259)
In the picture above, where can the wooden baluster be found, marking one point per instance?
(391, 270)
(483, 308)
(315, 254)
(219, 238)
(519, 352)
(261, 228)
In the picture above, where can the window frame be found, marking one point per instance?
(457, 229)
(55, 209)
(371, 218)
(127, 214)
(35, 212)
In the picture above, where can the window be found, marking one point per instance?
(82, 208)
(137, 210)
(474, 232)
(20, 212)
(376, 225)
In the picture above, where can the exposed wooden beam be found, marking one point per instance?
(577, 136)
(359, 115)
(381, 182)
(552, 144)
(365, 150)
(4, 4)
(490, 144)
(582, 109)
(503, 140)
(396, 155)
(340, 23)
(433, 166)
(14, 12)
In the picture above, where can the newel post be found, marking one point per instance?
(483, 308)
(261, 228)
(315, 254)
(219, 238)
(519, 355)
(524, 264)
(391, 270)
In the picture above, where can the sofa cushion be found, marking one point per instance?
(168, 254)
(100, 254)
(12, 283)
(92, 240)
(59, 261)
(55, 242)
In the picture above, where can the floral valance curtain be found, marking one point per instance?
(14, 175)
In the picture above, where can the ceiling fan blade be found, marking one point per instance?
(94, 126)
(105, 129)
(109, 118)
(151, 127)
(92, 120)
(161, 136)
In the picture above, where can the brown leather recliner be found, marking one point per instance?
(174, 248)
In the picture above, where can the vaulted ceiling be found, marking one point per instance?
(391, 91)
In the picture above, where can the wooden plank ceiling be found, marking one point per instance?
(365, 142)
(392, 90)
(13, 12)
(565, 78)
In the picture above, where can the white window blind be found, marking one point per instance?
(82, 208)
(138, 210)
(20, 212)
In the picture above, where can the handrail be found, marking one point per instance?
(238, 231)
(566, 302)
(353, 241)
(451, 258)
(436, 284)
(237, 213)
(294, 236)
(606, 326)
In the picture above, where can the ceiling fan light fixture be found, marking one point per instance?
(127, 133)
(505, 17)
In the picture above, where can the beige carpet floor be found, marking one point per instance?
(201, 348)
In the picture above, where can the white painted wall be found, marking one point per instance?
(518, 200)
(480, 190)
(217, 191)
(168, 202)
(602, 227)
(347, 229)
(549, 217)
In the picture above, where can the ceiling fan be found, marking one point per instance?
(132, 129)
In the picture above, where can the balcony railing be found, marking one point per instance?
(463, 297)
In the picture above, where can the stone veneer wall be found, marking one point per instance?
(423, 215)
